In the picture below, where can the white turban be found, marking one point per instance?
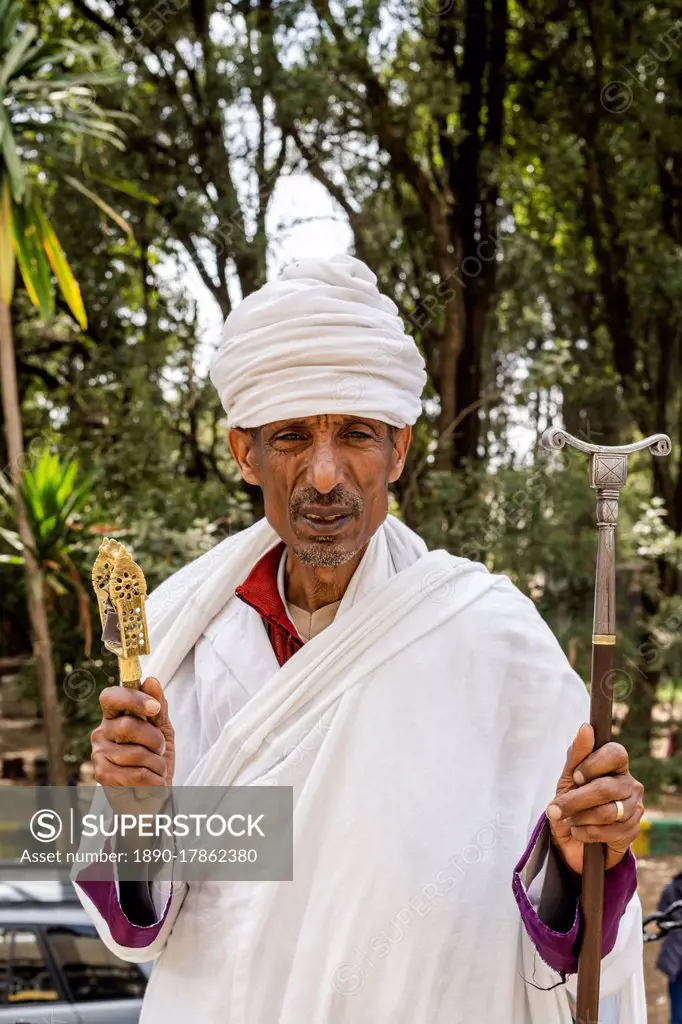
(321, 339)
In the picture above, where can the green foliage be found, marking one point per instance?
(53, 499)
(53, 496)
(48, 107)
(581, 326)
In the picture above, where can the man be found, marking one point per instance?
(418, 706)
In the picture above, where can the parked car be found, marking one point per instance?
(54, 968)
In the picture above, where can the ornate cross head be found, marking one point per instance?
(121, 590)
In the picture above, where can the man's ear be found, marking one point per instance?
(401, 442)
(242, 445)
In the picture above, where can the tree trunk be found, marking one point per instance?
(451, 344)
(37, 612)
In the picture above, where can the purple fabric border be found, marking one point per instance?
(559, 949)
(104, 894)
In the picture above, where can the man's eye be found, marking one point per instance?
(289, 436)
(360, 434)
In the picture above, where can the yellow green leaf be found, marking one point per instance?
(61, 269)
(127, 187)
(104, 207)
(7, 254)
(30, 259)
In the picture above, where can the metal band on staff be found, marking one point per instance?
(608, 473)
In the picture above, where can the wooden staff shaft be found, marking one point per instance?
(608, 472)
(601, 716)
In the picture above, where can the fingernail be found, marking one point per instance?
(553, 812)
(152, 707)
(578, 778)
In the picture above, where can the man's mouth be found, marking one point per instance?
(325, 520)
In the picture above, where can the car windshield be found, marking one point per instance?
(93, 972)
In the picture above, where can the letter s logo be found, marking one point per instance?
(45, 826)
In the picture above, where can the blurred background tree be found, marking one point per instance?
(513, 174)
(43, 86)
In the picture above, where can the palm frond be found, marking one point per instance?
(10, 157)
(104, 206)
(67, 283)
(52, 498)
(16, 54)
(10, 14)
(12, 538)
(128, 188)
(7, 251)
(50, 87)
(32, 261)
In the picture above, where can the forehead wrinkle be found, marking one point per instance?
(323, 421)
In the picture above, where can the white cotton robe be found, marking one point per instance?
(423, 733)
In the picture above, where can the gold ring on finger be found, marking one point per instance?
(620, 810)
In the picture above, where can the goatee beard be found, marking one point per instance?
(321, 555)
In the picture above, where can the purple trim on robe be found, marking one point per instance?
(104, 894)
(559, 949)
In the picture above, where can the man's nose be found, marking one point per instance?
(324, 469)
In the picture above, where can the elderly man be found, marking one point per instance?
(418, 706)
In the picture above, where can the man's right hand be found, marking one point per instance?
(134, 744)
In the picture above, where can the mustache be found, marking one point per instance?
(339, 495)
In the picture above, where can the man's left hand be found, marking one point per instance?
(585, 808)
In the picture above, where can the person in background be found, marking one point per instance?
(670, 958)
